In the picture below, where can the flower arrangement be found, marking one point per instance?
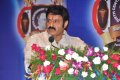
(74, 64)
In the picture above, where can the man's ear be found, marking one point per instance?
(65, 24)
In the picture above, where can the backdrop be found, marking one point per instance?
(12, 44)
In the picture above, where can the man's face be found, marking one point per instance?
(55, 25)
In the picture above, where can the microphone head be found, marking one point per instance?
(51, 39)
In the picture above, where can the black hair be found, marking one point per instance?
(25, 15)
(58, 10)
(103, 5)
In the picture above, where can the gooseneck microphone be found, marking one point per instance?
(51, 40)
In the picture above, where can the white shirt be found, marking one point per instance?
(41, 39)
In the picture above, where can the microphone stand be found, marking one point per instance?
(54, 46)
(51, 40)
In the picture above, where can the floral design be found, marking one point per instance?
(74, 64)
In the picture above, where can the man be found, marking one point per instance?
(56, 23)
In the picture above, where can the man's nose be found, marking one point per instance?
(51, 23)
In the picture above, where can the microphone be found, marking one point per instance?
(51, 40)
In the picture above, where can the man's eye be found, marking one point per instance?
(56, 21)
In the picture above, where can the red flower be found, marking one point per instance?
(115, 64)
(115, 56)
(63, 68)
(54, 56)
(57, 71)
(42, 57)
(42, 52)
(47, 69)
(37, 49)
(34, 46)
(86, 65)
(117, 77)
(108, 61)
(39, 69)
(105, 73)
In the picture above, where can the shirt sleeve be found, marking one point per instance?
(82, 44)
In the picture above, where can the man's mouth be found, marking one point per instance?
(51, 28)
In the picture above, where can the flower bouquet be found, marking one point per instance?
(74, 64)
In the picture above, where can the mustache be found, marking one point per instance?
(51, 27)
